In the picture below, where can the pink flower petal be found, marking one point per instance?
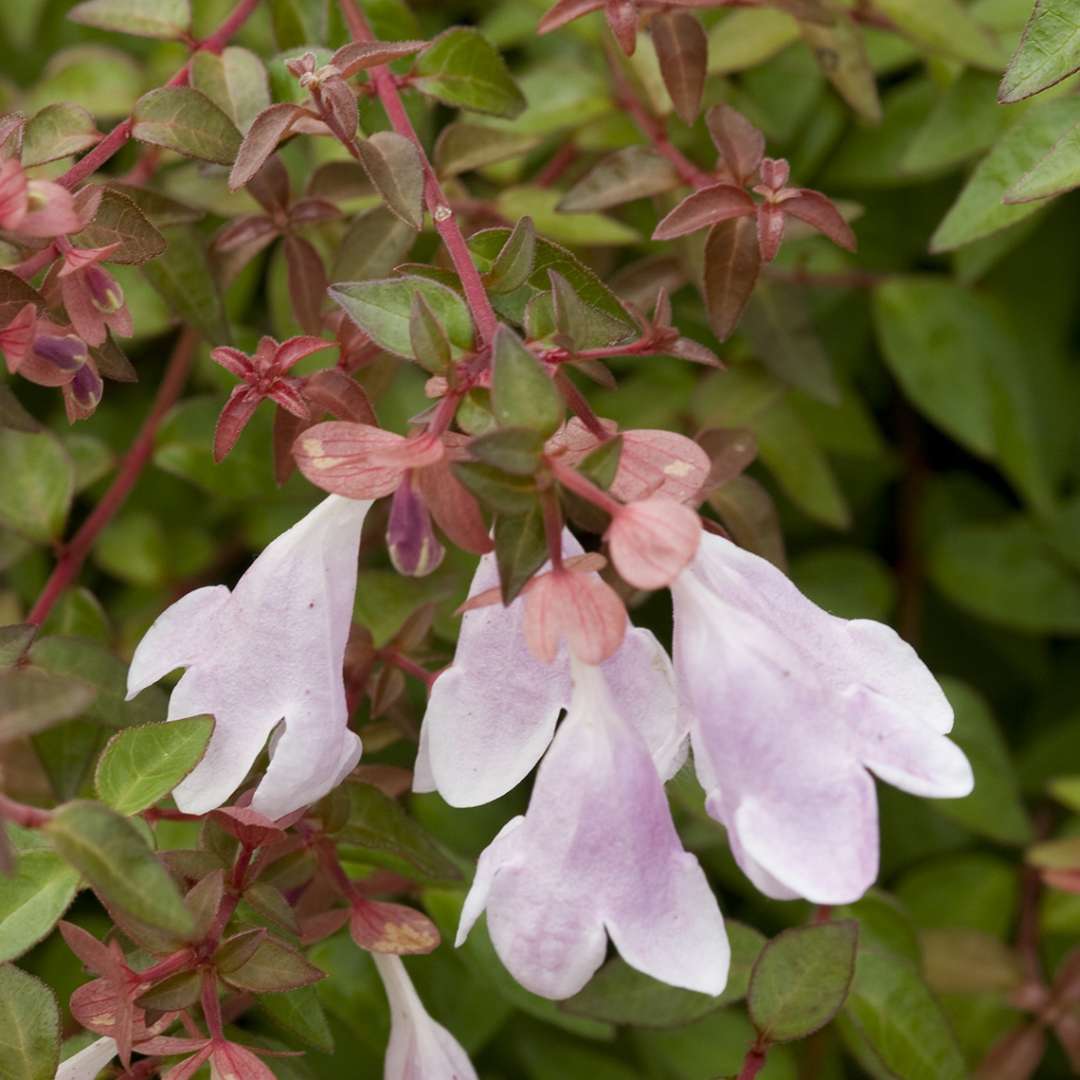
(51, 211)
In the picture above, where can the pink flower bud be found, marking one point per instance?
(653, 540)
(105, 290)
(83, 394)
(582, 608)
(414, 548)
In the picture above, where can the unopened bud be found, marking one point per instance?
(105, 290)
(653, 540)
(414, 548)
(66, 352)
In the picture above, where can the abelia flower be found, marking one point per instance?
(420, 1048)
(264, 375)
(791, 710)
(92, 297)
(34, 207)
(82, 394)
(597, 855)
(492, 713)
(269, 652)
(87, 1062)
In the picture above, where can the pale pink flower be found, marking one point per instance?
(88, 1062)
(597, 855)
(420, 1048)
(790, 707)
(270, 652)
(492, 713)
(652, 541)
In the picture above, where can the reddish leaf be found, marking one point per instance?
(566, 11)
(741, 145)
(1015, 1056)
(332, 391)
(770, 230)
(622, 17)
(307, 282)
(704, 208)
(394, 166)
(392, 928)
(238, 410)
(261, 140)
(361, 55)
(732, 265)
(270, 186)
(187, 1069)
(251, 828)
(97, 957)
(683, 51)
(318, 927)
(454, 509)
(234, 1062)
(816, 210)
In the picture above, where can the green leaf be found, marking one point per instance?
(183, 119)
(841, 54)
(463, 146)
(376, 242)
(393, 163)
(461, 69)
(381, 833)
(979, 210)
(37, 483)
(236, 82)
(183, 278)
(430, 345)
(1048, 52)
(958, 360)
(893, 1024)
(32, 701)
(29, 1027)
(631, 172)
(1007, 572)
(117, 862)
(141, 765)
(119, 221)
(383, 310)
(145, 18)
(945, 27)
(57, 131)
(12, 414)
(620, 994)
(14, 641)
(522, 393)
(579, 229)
(514, 450)
(1054, 174)
(32, 899)
(274, 967)
(298, 1013)
(801, 979)
(520, 549)
(514, 263)
(744, 39)
(995, 808)
(850, 582)
(502, 492)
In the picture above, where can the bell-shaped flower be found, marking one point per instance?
(420, 1048)
(492, 713)
(269, 652)
(597, 855)
(790, 707)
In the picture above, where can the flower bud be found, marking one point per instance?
(105, 290)
(83, 394)
(653, 540)
(414, 548)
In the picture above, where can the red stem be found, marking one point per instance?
(75, 552)
(573, 481)
(120, 134)
(29, 817)
(579, 406)
(437, 203)
(753, 1063)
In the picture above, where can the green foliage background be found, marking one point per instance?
(916, 418)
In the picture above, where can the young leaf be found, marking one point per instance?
(631, 172)
(383, 310)
(393, 163)
(683, 51)
(514, 263)
(1048, 52)
(141, 765)
(37, 484)
(732, 265)
(145, 18)
(462, 69)
(183, 119)
(893, 1024)
(57, 131)
(29, 1027)
(801, 979)
(522, 393)
(32, 899)
(115, 859)
(261, 140)
(520, 549)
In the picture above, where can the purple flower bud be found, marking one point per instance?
(105, 290)
(414, 548)
(66, 352)
(87, 388)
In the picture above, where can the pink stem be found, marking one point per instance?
(753, 1063)
(573, 481)
(29, 817)
(437, 203)
(138, 455)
